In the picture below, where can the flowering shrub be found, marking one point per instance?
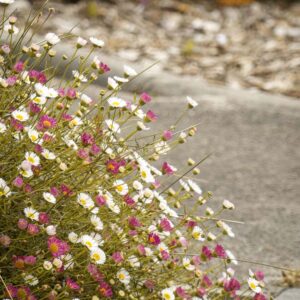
(89, 208)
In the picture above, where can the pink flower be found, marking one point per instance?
(87, 139)
(100, 200)
(167, 169)
(11, 80)
(166, 225)
(57, 247)
(33, 229)
(196, 260)
(191, 224)
(206, 253)
(231, 285)
(71, 93)
(220, 251)
(259, 275)
(5, 240)
(105, 290)
(95, 149)
(46, 123)
(54, 191)
(95, 273)
(22, 224)
(134, 222)
(153, 239)
(30, 260)
(117, 257)
(167, 135)
(165, 255)
(149, 284)
(65, 190)
(82, 153)
(27, 188)
(44, 218)
(201, 292)
(5, 49)
(113, 166)
(141, 250)
(18, 126)
(129, 201)
(18, 182)
(34, 108)
(19, 66)
(103, 68)
(182, 293)
(206, 282)
(72, 284)
(151, 116)
(259, 297)
(145, 98)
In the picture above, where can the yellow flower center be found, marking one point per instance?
(20, 117)
(122, 276)
(96, 256)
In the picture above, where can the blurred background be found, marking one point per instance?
(238, 43)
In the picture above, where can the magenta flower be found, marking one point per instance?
(167, 135)
(54, 191)
(33, 229)
(22, 224)
(259, 275)
(103, 68)
(30, 260)
(95, 273)
(44, 218)
(259, 296)
(167, 169)
(141, 250)
(166, 225)
(11, 80)
(57, 247)
(100, 200)
(82, 153)
(71, 93)
(19, 66)
(220, 251)
(72, 284)
(129, 201)
(65, 190)
(105, 290)
(46, 122)
(117, 257)
(206, 282)
(165, 255)
(206, 253)
(95, 149)
(34, 108)
(87, 139)
(153, 239)
(18, 182)
(201, 292)
(231, 285)
(134, 222)
(145, 98)
(182, 293)
(151, 116)
(113, 166)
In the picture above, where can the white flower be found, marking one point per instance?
(79, 76)
(51, 230)
(162, 147)
(89, 241)
(47, 265)
(254, 285)
(186, 262)
(121, 187)
(123, 276)
(7, 2)
(231, 257)
(32, 158)
(191, 102)
(129, 71)
(31, 280)
(48, 155)
(227, 204)
(194, 186)
(52, 93)
(121, 79)
(142, 126)
(40, 100)
(184, 185)
(209, 211)
(197, 234)
(81, 42)
(33, 135)
(113, 206)
(168, 294)
(113, 126)
(12, 29)
(20, 115)
(41, 90)
(2, 127)
(226, 228)
(134, 261)
(86, 99)
(146, 175)
(57, 263)
(52, 38)
(73, 237)
(116, 102)
(76, 121)
(49, 197)
(98, 256)
(31, 213)
(137, 185)
(4, 189)
(85, 200)
(112, 83)
(96, 42)
(211, 237)
(96, 221)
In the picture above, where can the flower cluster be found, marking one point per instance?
(90, 206)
